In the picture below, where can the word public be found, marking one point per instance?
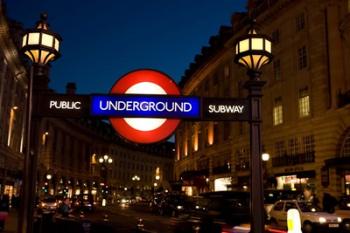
(54, 104)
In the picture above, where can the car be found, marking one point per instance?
(273, 195)
(154, 203)
(216, 212)
(174, 204)
(343, 211)
(311, 216)
(48, 205)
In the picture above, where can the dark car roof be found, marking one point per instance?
(226, 194)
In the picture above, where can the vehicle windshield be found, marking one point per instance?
(308, 207)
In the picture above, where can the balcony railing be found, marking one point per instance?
(287, 160)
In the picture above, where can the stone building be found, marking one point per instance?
(13, 86)
(305, 107)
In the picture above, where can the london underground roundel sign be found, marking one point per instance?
(145, 130)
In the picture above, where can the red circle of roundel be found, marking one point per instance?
(127, 81)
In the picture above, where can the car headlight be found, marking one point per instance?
(179, 207)
(322, 220)
(339, 219)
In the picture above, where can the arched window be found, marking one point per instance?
(345, 150)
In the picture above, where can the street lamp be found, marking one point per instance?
(253, 51)
(48, 176)
(136, 178)
(41, 46)
(265, 156)
(105, 159)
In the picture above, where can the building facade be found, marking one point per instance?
(305, 105)
(13, 86)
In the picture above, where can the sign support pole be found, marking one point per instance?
(254, 86)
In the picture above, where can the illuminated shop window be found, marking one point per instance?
(304, 103)
(347, 184)
(291, 182)
(278, 112)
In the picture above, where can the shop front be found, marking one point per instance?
(295, 180)
(195, 182)
(342, 166)
(223, 184)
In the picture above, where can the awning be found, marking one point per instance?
(300, 174)
(341, 162)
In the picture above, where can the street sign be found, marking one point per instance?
(144, 106)
(146, 82)
(59, 105)
(157, 106)
(225, 109)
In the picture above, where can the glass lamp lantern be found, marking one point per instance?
(40, 44)
(253, 50)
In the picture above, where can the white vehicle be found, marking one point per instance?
(343, 211)
(311, 216)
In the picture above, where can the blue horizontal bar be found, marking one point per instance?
(154, 106)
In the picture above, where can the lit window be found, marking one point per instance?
(278, 112)
(304, 103)
(302, 58)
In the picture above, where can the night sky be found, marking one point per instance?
(104, 39)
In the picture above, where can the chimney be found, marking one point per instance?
(71, 88)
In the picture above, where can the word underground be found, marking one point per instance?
(145, 106)
(65, 104)
(226, 108)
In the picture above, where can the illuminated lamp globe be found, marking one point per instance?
(265, 156)
(110, 160)
(100, 160)
(49, 176)
(105, 157)
(253, 50)
(40, 44)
